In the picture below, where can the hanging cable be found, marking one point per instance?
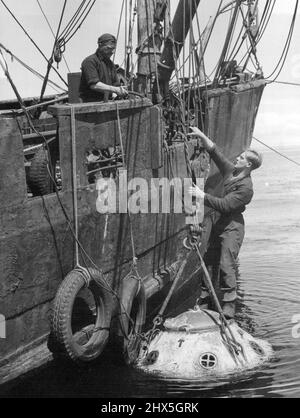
(253, 43)
(32, 41)
(52, 31)
(50, 62)
(227, 41)
(277, 152)
(287, 83)
(76, 22)
(266, 15)
(72, 23)
(34, 72)
(119, 25)
(284, 55)
(81, 22)
(266, 20)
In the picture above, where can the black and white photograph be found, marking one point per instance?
(149, 202)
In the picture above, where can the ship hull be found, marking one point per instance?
(36, 242)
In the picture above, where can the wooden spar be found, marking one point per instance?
(179, 30)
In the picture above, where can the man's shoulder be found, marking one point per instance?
(249, 182)
(91, 58)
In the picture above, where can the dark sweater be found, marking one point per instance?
(238, 191)
(97, 68)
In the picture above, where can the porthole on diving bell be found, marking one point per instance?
(208, 361)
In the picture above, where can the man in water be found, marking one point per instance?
(99, 81)
(228, 227)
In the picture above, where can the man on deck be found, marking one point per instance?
(228, 222)
(99, 79)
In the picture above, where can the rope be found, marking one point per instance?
(134, 256)
(68, 36)
(234, 347)
(227, 41)
(202, 52)
(266, 16)
(74, 173)
(71, 23)
(170, 294)
(284, 55)
(50, 61)
(287, 83)
(52, 31)
(253, 49)
(277, 152)
(119, 25)
(33, 42)
(34, 72)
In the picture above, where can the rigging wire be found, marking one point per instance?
(72, 32)
(284, 55)
(227, 41)
(232, 33)
(236, 49)
(71, 24)
(287, 83)
(232, 55)
(32, 41)
(119, 25)
(34, 72)
(266, 16)
(202, 62)
(51, 29)
(276, 151)
(267, 20)
(253, 43)
(50, 61)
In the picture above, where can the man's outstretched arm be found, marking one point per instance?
(235, 201)
(224, 165)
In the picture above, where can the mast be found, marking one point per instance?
(179, 30)
(150, 38)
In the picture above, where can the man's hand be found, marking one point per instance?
(198, 193)
(121, 91)
(207, 143)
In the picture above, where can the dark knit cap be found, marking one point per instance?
(106, 37)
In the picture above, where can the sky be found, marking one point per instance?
(278, 122)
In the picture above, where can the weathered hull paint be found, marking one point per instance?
(36, 244)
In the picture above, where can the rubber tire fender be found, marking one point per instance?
(39, 180)
(61, 326)
(132, 295)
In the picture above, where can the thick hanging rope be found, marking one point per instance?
(73, 27)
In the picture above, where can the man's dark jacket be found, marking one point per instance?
(238, 191)
(97, 68)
